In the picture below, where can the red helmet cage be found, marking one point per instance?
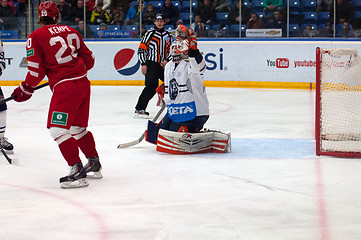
(48, 9)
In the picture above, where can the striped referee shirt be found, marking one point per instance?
(155, 46)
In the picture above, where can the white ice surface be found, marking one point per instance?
(270, 187)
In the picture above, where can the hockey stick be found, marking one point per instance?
(15, 160)
(10, 160)
(13, 97)
(135, 142)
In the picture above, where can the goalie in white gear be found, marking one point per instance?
(184, 92)
(188, 108)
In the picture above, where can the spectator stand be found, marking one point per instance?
(156, 4)
(357, 14)
(323, 17)
(246, 3)
(294, 30)
(169, 28)
(295, 18)
(306, 33)
(15, 31)
(222, 18)
(304, 25)
(16, 6)
(133, 28)
(294, 5)
(305, 8)
(308, 6)
(322, 26)
(261, 15)
(113, 31)
(226, 31)
(257, 6)
(186, 5)
(147, 27)
(338, 28)
(294, 8)
(185, 17)
(177, 4)
(309, 18)
(234, 28)
(356, 4)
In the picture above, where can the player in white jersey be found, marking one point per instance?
(184, 92)
(188, 108)
(4, 144)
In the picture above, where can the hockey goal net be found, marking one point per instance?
(338, 102)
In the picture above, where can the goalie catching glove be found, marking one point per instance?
(23, 92)
(186, 33)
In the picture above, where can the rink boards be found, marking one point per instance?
(230, 63)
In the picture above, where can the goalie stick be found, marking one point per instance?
(2, 101)
(135, 142)
(13, 161)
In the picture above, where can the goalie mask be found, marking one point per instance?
(179, 50)
(48, 9)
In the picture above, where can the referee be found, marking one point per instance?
(153, 54)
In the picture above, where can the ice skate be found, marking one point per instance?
(93, 168)
(8, 147)
(75, 179)
(141, 114)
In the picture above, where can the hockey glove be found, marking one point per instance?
(160, 92)
(183, 32)
(23, 92)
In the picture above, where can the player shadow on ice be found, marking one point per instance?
(273, 148)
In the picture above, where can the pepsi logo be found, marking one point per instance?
(122, 60)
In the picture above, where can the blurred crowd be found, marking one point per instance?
(209, 18)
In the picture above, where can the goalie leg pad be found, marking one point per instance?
(187, 143)
(220, 138)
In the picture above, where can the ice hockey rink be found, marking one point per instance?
(271, 186)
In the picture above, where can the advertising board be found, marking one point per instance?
(236, 63)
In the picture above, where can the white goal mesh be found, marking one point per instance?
(338, 110)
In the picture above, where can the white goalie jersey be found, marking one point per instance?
(185, 94)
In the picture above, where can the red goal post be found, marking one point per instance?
(338, 102)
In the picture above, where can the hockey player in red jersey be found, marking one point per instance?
(58, 52)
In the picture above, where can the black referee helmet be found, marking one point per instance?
(159, 16)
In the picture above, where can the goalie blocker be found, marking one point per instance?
(188, 143)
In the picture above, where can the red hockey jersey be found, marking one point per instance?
(57, 51)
